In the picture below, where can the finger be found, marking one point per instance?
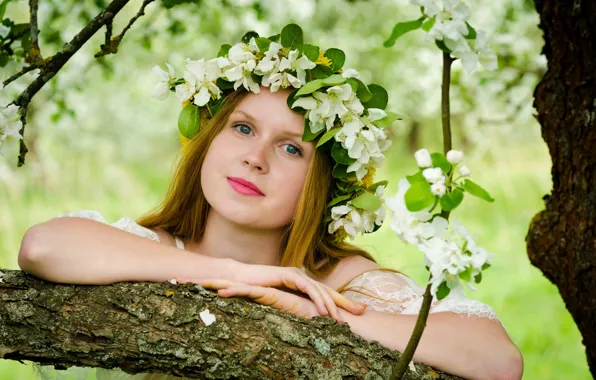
(304, 284)
(345, 303)
(329, 302)
(264, 296)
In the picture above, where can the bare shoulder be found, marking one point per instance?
(164, 237)
(348, 269)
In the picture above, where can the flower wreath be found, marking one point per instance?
(342, 114)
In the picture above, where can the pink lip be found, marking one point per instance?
(244, 187)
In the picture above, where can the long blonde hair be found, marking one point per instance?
(184, 210)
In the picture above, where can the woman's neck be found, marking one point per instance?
(227, 240)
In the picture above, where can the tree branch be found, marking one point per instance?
(34, 55)
(111, 45)
(153, 327)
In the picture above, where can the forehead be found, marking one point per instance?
(271, 108)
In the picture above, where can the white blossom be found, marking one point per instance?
(423, 158)
(412, 227)
(350, 73)
(165, 81)
(200, 77)
(455, 156)
(464, 171)
(433, 175)
(299, 65)
(438, 189)
(270, 62)
(10, 125)
(347, 217)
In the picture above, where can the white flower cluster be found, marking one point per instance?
(358, 135)
(450, 253)
(10, 125)
(435, 176)
(241, 63)
(354, 220)
(451, 28)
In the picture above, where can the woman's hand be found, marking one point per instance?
(326, 300)
(276, 298)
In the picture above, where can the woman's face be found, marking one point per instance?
(255, 168)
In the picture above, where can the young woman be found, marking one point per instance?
(247, 214)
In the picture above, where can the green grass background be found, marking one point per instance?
(516, 173)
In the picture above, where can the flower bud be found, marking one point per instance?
(455, 156)
(464, 171)
(438, 189)
(423, 158)
(433, 175)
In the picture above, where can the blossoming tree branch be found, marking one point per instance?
(450, 254)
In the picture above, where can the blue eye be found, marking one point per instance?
(243, 128)
(293, 150)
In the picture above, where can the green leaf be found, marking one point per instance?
(361, 89)
(471, 32)
(340, 171)
(478, 278)
(328, 136)
(249, 35)
(307, 135)
(263, 43)
(340, 155)
(310, 87)
(440, 161)
(3, 59)
(418, 177)
(291, 99)
(275, 37)
(223, 50)
(450, 201)
(388, 120)
(467, 274)
(374, 186)
(334, 80)
(335, 201)
(224, 84)
(476, 190)
(379, 97)
(428, 24)
(441, 45)
(311, 52)
(337, 57)
(189, 121)
(321, 72)
(402, 28)
(486, 266)
(3, 8)
(418, 197)
(443, 291)
(291, 37)
(367, 201)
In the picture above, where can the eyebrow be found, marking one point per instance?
(255, 120)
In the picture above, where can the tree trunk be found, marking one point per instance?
(561, 240)
(155, 327)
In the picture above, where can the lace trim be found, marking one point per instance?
(124, 224)
(396, 293)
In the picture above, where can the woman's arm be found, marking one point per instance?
(473, 348)
(84, 251)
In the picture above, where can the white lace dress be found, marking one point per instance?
(380, 290)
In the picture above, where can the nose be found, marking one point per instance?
(256, 158)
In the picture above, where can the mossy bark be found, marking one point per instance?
(155, 327)
(561, 239)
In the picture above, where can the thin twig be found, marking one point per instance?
(53, 64)
(23, 71)
(34, 55)
(401, 366)
(111, 45)
(447, 60)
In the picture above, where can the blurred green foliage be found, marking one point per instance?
(99, 141)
